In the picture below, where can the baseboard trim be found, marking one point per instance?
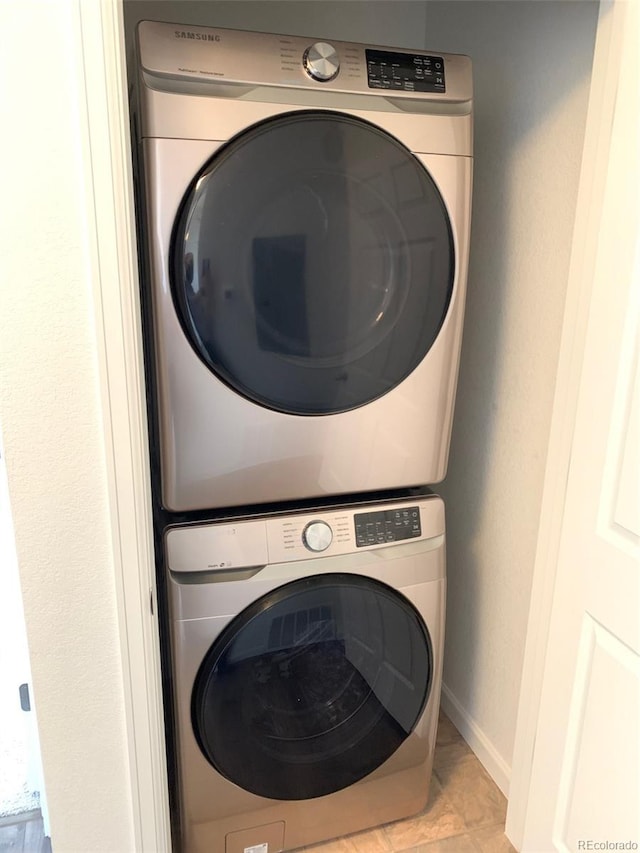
(20, 817)
(487, 754)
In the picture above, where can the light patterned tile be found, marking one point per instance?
(465, 813)
(337, 846)
(371, 841)
(451, 753)
(455, 844)
(493, 840)
(438, 820)
(447, 732)
(473, 794)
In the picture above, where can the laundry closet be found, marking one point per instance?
(84, 477)
(532, 73)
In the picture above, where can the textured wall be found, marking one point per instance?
(50, 410)
(532, 64)
(395, 22)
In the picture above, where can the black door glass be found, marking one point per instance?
(312, 687)
(313, 263)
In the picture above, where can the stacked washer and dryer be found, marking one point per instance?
(306, 216)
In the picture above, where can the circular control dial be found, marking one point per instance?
(321, 61)
(317, 536)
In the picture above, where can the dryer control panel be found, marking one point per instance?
(405, 72)
(302, 536)
(204, 60)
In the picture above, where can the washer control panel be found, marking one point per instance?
(274, 539)
(298, 537)
(388, 525)
(317, 536)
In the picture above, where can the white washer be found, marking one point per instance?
(307, 229)
(306, 669)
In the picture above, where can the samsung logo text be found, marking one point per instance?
(186, 34)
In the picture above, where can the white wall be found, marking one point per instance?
(51, 419)
(532, 64)
(395, 22)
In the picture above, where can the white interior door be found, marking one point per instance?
(585, 779)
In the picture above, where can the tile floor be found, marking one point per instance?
(23, 833)
(465, 813)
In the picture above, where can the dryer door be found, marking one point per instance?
(313, 686)
(312, 263)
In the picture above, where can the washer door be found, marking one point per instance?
(313, 686)
(312, 263)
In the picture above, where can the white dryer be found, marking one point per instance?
(307, 229)
(306, 664)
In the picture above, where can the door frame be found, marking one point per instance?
(119, 334)
(118, 328)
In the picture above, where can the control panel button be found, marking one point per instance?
(317, 536)
(405, 71)
(321, 61)
(391, 525)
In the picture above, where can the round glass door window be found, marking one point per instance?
(312, 263)
(313, 686)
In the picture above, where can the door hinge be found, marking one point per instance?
(25, 701)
